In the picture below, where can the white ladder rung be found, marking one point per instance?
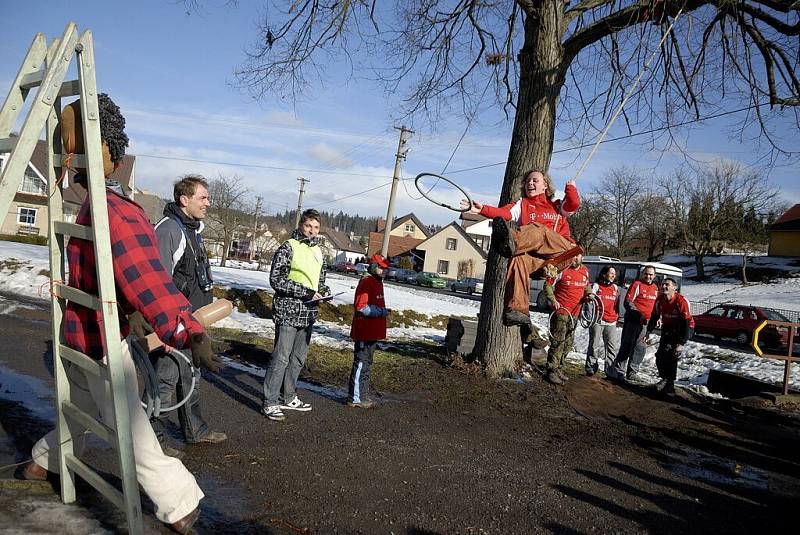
(81, 360)
(69, 293)
(31, 80)
(8, 144)
(94, 479)
(83, 232)
(70, 88)
(90, 423)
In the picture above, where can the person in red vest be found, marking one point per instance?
(565, 293)
(672, 309)
(639, 302)
(604, 335)
(543, 237)
(369, 326)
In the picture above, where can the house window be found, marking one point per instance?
(481, 241)
(443, 267)
(31, 183)
(451, 244)
(410, 228)
(26, 216)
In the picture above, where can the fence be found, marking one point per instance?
(700, 307)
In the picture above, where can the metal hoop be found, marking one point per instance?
(443, 205)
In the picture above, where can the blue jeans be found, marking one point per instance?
(288, 358)
(174, 381)
(359, 376)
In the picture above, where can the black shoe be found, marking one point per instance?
(515, 317)
(502, 238)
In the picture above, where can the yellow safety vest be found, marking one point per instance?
(306, 264)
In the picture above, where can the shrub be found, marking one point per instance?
(32, 240)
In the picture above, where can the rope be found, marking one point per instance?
(27, 460)
(151, 401)
(591, 311)
(624, 101)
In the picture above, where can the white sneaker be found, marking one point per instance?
(273, 412)
(296, 405)
(661, 384)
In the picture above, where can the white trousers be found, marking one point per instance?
(170, 486)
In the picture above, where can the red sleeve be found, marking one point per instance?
(631, 295)
(362, 295)
(503, 211)
(572, 200)
(685, 310)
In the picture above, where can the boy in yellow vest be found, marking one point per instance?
(298, 280)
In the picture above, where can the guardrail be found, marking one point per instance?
(698, 307)
(788, 358)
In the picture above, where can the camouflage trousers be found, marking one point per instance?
(562, 337)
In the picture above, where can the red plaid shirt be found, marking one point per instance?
(141, 282)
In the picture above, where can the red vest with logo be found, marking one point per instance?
(643, 296)
(570, 288)
(608, 294)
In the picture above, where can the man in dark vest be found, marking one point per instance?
(184, 257)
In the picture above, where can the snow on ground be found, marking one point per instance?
(698, 358)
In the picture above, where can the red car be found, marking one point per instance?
(739, 322)
(345, 267)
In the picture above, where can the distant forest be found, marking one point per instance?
(359, 225)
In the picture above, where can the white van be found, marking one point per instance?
(627, 272)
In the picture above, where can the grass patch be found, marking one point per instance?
(32, 240)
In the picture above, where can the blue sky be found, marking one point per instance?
(171, 73)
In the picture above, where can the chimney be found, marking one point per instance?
(336, 228)
(381, 224)
(352, 235)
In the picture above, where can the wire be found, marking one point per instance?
(354, 194)
(26, 461)
(257, 166)
(628, 136)
(632, 88)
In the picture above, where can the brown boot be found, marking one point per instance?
(184, 525)
(34, 472)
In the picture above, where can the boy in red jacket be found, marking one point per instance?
(543, 238)
(369, 326)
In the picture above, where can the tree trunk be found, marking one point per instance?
(698, 263)
(541, 78)
(744, 269)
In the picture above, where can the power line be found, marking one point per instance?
(355, 194)
(257, 166)
(628, 136)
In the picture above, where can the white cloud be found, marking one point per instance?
(327, 155)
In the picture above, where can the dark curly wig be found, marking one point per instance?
(112, 127)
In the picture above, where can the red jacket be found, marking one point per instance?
(609, 296)
(643, 297)
(141, 281)
(570, 287)
(676, 318)
(369, 298)
(540, 209)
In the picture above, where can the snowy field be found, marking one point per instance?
(20, 267)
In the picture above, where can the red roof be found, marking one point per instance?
(788, 221)
(397, 244)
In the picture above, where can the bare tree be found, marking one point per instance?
(547, 62)
(588, 223)
(226, 217)
(707, 206)
(653, 227)
(618, 197)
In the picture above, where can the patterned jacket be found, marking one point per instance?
(289, 305)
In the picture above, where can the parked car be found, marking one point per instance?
(739, 322)
(361, 269)
(470, 285)
(408, 276)
(391, 273)
(431, 280)
(345, 267)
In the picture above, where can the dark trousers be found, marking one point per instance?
(667, 356)
(359, 376)
(174, 382)
(631, 350)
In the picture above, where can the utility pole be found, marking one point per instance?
(300, 200)
(400, 156)
(255, 229)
